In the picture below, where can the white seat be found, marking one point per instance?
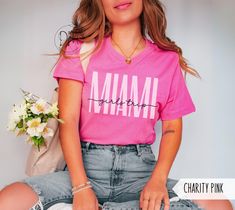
(61, 206)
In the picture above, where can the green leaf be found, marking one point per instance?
(20, 124)
(38, 141)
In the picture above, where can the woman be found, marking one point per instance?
(130, 83)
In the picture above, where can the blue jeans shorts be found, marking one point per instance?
(117, 175)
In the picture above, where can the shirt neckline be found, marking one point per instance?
(136, 58)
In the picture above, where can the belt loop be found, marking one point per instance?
(115, 148)
(138, 149)
(87, 146)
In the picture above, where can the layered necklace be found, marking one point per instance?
(127, 58)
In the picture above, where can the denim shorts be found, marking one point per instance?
(117, 174)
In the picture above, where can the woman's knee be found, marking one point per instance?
(214, 204)
(17, 195)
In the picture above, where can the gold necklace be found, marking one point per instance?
(127, 58)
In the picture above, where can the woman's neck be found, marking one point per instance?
(127, 35)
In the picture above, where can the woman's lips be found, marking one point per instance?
(123, 6)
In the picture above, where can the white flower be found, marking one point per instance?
(53, 109)
(35, 127)
(11, 124)
(47, 132)
(20, 110)
(40, 106)
(17, 113)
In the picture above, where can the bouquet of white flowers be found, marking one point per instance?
(31, 116)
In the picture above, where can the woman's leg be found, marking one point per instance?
(122, 173)
(131, 170)
(53, 188)
(41, 192)
(18, 196)
(138, 168)
(45, 189)
(214, 204)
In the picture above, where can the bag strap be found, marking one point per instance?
(86, 47)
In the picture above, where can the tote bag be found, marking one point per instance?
(50, 158)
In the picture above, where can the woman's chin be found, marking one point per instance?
(122, 19)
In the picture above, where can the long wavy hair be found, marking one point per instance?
(90, 22)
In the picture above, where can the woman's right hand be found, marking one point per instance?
(85, 200)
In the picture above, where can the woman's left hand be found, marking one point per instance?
(152, 195)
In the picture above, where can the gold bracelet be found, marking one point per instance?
(78, 190)
(81, 185)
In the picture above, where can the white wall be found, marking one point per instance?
(28, 29)
(203, 28)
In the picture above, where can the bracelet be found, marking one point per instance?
(81, 185)
(78, 190)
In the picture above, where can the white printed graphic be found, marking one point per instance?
(122, 95)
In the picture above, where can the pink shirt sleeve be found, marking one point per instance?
(179, 102)
(70, 68)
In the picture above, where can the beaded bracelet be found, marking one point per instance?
(82, 188)
(81, 185)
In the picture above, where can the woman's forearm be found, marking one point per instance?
(169, 146)
(71, 147)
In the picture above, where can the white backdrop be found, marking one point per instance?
(203, 28)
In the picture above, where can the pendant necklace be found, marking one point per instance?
(127, 58)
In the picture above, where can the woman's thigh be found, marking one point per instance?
(51, 188)
(117, 177)
(136, 171)
(123, 173)
(56, 187)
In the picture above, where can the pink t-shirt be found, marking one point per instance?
(121, 102)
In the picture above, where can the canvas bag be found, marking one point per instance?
(50, 158)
